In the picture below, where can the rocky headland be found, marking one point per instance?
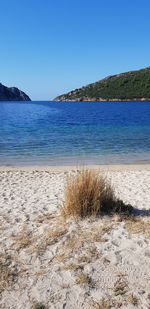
(12, 94)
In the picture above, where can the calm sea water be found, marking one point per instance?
(53, 133)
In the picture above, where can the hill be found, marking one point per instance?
(133, 85)
(12, 94)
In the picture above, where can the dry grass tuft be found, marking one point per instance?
(137, 226)
(120, 287)
(85, 279)
(103, 304)
(23, 239)
(133, 300)
(89, 194)
(72, 267)
(45, 218)
(53, 236)
(7, 273)
(89, 255)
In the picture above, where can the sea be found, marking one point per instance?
(74, 133)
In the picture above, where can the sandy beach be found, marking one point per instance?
(92, 263)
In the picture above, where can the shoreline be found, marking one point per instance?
(63, 168)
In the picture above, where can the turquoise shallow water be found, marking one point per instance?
(64, 133)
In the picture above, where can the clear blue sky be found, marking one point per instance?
(48, 47)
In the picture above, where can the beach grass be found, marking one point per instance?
(137, 226)
(102, 304)
(8, 273)
(89, 193)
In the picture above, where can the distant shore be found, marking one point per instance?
(100, 100)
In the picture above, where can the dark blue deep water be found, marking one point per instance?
(55, 133)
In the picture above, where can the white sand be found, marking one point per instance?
(66, 264)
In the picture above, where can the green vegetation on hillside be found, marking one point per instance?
(130, 85)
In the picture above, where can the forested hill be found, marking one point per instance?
(133, 85)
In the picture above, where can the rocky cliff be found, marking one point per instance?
(12, 94)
